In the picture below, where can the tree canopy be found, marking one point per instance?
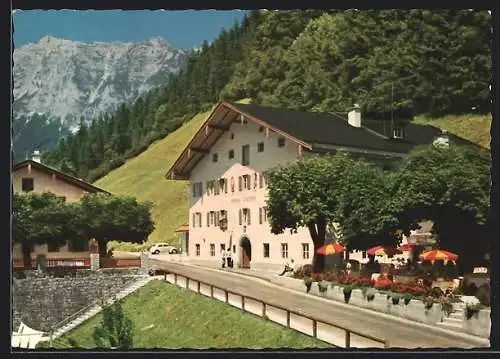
(448, 185)
(46, 218)
(429, 62)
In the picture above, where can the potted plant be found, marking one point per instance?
(395, 299)
(347, 293)
(407, 298)
(472, 310)
(370, 294)
(322, 286)
(308, 282)
(428, 303)
(446, 306)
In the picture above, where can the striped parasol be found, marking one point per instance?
(438, 254)
(331, 248)
(383, 251)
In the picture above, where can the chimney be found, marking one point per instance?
(36, 156)
(354, 116)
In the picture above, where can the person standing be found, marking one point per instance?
(223, 258)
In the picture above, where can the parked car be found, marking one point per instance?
(162, 248)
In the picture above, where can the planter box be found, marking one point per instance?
(380, 303)
(335, 293)
(415, 310)
(356, 297)
(480, 325)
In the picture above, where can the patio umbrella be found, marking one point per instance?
(383, 251)
(331, 248)
(438, 254)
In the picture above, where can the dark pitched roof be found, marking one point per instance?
(62, 176)
(333, 129)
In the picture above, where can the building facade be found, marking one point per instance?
(226, 164)
(33, 176)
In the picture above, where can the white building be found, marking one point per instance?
(228, 157)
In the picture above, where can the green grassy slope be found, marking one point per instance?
(144, 177)
(475, 128)
(166, 316)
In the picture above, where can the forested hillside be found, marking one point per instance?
(435, 63)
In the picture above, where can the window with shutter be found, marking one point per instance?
(240, 216)
(261, 180)
(245, 155)
(260, 215)
(208, 219)
(225, 185)
(199, 218)
(217, 219)
(193, 224)
(240, 183)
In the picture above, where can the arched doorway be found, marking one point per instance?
(246, 252)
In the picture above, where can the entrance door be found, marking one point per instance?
(246, 252)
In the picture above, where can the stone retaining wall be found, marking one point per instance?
(42, 300)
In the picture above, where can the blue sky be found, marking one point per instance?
(182, 29)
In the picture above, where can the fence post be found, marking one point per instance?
(288, 319)
(227, 296)
(315, 328)
(347, 339)
(175, 278)
(263, 309)
(243, 303)
(198, 287)
(187, 282)
(211, 291)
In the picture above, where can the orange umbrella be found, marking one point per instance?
(331, 248)
(383, 251)
(438, 254)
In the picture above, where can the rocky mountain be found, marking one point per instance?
(57, 81)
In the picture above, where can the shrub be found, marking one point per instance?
(484, 294)
(308, 282)
(436, 292)
(115, 330)
(323, 286)
(395, 299)
(429, 302)
(407, 298)
(469, 288)
(347, 293)
(473, 310)
(370, 294)
(446, 306)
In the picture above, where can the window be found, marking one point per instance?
(262, 215)
(216, 188)
(208, 219)
(281, 142)
(193, 224)
(240, 183)
(245, 155)
(212, 250)
(246, 181)
(234, 248)
(231, 154)
(197, 189)
(261, 128)
(284, 250)
(198, 218)
(398, 132)
(263, 179)
(260, 147)
(232, 184)
(215, 157)
(197, 249)
(222, 247)
(232, 136)
(305, 250)
(27, 184)
(266, 250)
(363, 254)
(244, 216)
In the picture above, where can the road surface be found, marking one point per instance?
(400, 333)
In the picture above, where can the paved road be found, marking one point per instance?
(400, 334)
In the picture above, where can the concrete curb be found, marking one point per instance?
(441, 331)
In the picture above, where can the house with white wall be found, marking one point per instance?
(226, 163)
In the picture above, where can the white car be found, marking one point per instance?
(162, 248)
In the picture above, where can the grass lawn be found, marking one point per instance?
(475, 128)
(166, 316)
